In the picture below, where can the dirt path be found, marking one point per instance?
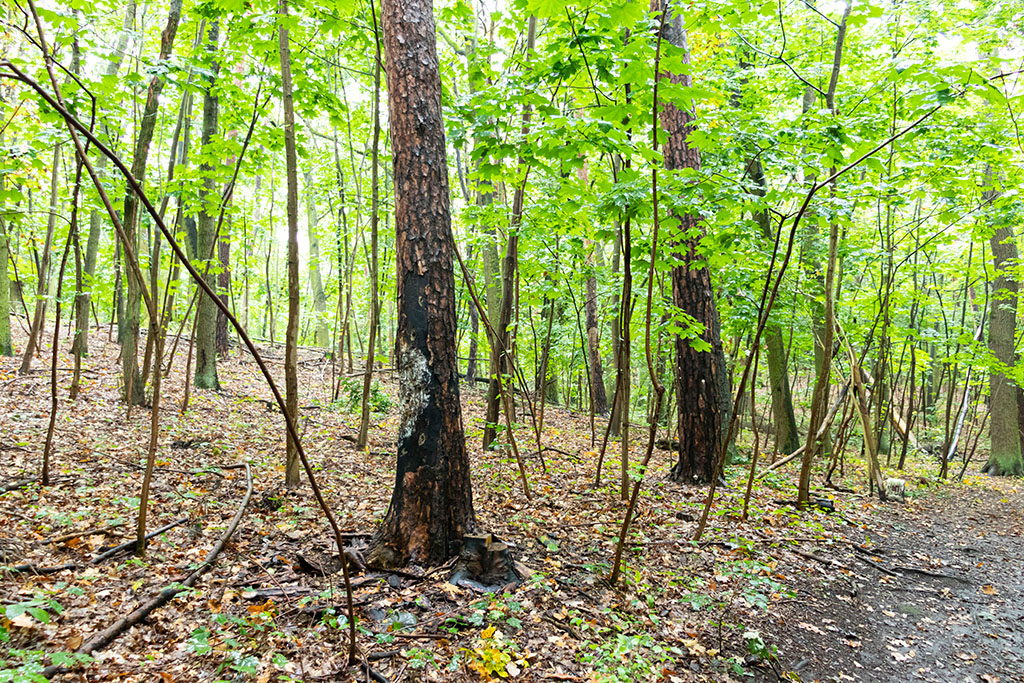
(950, 607)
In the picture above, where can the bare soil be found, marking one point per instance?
(938, 595)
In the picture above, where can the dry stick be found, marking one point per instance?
(125, 546)
(494, 335)
(103, 638)
(88, 532)
(659, 388)
(825, 425)
(33, 569)
(757, 438)
(75, 125)
(72, 232)
(767, 307)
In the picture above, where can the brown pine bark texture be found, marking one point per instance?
(697, 381)
(432, 504)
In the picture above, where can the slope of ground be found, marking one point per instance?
(796, 584)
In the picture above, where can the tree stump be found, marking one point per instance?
(486, 563)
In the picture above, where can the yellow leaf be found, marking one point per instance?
(23, 620)
(488, 633)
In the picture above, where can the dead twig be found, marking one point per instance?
(131, 544)
(103, 638)
(96, 531)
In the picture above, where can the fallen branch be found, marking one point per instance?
(934, 575)
(825, 426)
(95, 531)
(42, 571)
(100, 640)
(17, 483)
(131, 544)
(369, 670)
(879, 567)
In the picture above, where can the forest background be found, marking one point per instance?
(800, 239)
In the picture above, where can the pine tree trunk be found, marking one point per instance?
(699, 370)
(432, 505)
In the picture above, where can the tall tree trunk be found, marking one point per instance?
(616, 326)
(133, 386)
(291, 339)
(819, 399)
(590, 308)
(364, 418)
(698, 369)
(1005, 449)
(206, 233)
(787, 437)
(501, 349)
(6, 349)
(545, 384)
(474, 335)
(432, 505)
(80, 345)
(323, 330)
(42, 285)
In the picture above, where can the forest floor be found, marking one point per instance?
(924, 589)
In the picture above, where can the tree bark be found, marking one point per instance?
(206, 235)
(364, 418)
(43, 275)
(590, 308)
(323, 330)
(223, 286)
(6, 349)
(1004, 436)
(501, 348)
(80, 345)
(787, 437)
(698, 381)
(130, 376)
(432, 505)
(291, 339)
